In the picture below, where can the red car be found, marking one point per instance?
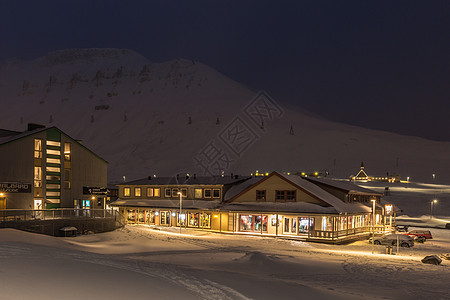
(422, 233)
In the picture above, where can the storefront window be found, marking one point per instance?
(181, 219)
(131, 216)
(246, 223)
(193, 219)
(304, 224)
(141, 217)
(254, 223)
(327, 223)
(205, 220)
(150, 217)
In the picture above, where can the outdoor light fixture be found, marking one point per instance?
(432, 203)
(156, 213)
(373, 223)
(181, 201)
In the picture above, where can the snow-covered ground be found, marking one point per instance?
(140, 261)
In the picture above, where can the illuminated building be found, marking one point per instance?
(273, 205)
(44, 168)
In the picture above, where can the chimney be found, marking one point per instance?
(34, 126)
(195, 176)
(149, 177)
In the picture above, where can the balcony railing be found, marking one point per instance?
(59, 213)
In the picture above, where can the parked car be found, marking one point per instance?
(422, 233)
(403, 228)
(391, 240)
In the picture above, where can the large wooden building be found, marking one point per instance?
(46, 168)
(274, 205)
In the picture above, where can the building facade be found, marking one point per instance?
(274, 205)
(44, 168)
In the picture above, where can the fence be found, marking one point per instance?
(50, 221)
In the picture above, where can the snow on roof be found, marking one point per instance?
(167, 203)
(343, 185)
(187, 180)
(323, 195)
(237, 189)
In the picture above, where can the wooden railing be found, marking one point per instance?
(321, 234)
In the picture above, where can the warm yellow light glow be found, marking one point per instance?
(316, 173)
(303, 173)
(215, 216)
(267, 174)
(1, 194)
(434, 201)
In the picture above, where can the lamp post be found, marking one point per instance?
(179, 215)
(432, 203)
(373, 223)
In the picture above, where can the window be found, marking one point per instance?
(168, 193)
(67, 151)
(175, 193)
(53, 152)
(53, 169)
(157, 192)
(216, 193)
(285, 196)
(53, 194)
(52, 177)
(149, 192)
(127, 192)
(198, 193)
(53, 143)
(53, 186)
(38, 148)
(184, 192)
(261, 195)
(67, 178)
(37, 176)
(207, 193)
(53, 160)
(137, 192)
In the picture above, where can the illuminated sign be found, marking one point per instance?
(15, 187)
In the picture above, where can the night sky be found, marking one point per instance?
(377, 64)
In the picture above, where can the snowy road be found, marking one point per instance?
(138, 261)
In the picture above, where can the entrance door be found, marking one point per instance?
(37, 207)
(165, 218)
(290, 225)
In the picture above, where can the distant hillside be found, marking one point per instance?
(182, 116)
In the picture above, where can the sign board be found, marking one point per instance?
(91, 190)
(15, 187)
(389, 209)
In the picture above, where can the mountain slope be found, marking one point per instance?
(156, 118)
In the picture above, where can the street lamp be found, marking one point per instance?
(373, 223)
(179, 215)
(431, 207)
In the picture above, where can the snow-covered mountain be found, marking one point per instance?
(163, 118)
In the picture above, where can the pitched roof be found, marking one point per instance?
(19, 135)
(184, 180)
(344, 186)
(302, 184)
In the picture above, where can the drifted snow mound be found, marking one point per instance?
(150, 118)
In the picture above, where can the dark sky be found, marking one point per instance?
(377, 64)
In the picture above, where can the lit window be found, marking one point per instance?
(53, 169)
(52, 194)
(126, 192)
(207, 193)
(53, 143)
(149, 192)
(216, 193)
(53, 152)
(53, 160)
(52, 177)
(198, 193)
(67, 151)
(157, 192)
(53, 186)
(37, 177)
(137, 192)
(38, 148)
